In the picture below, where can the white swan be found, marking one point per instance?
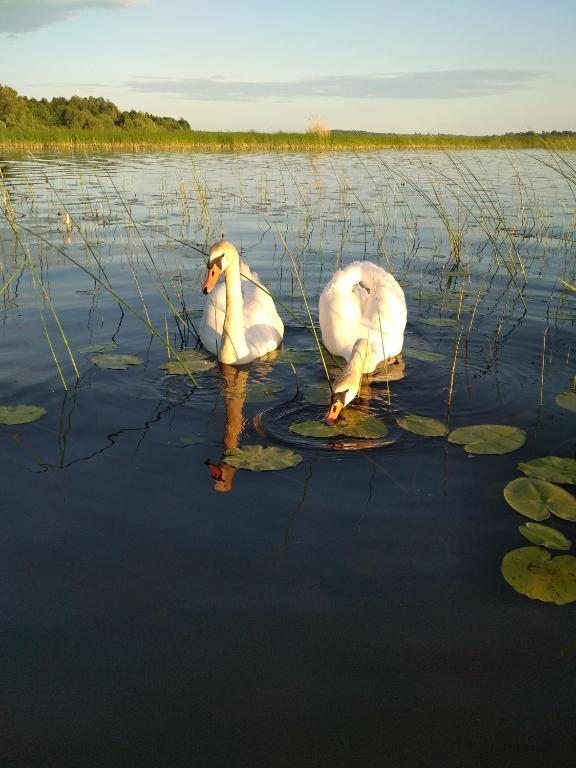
(362, 318)
(239, 322)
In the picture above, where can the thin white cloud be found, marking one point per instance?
(449, 84)
(20, 16)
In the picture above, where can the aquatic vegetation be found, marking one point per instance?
(260, 458)
(350, 424)
(318, 394)
(422, 425)
(424, 355)
(191, 360)
(555, 469)
(488, 438)
(20, 414)
(135, 138)
(544, 536)
(537, 499)
(533, 572)
(116, 362)
(566, 400)
(262, 392)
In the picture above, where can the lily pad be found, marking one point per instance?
(195, 361)
(350, 424)
(422, 354)
(488, 438)
(318, 394)
(536, 499)
(567, 400)
(441, 322)
(422, 425)
(97, 349)
(544, 536)
(261, 392)
(552, 468)
(298, 356)
(259, 458)
(533, 572)
(20, 414)
(116, 362)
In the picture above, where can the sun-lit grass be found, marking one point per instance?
(37, 139)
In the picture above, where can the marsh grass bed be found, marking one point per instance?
(345, 608)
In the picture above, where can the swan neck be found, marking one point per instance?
(351, 377)
(233, 337)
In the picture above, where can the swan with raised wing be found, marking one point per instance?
(362, 318)
(240, 322)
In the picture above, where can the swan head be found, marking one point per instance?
(347, 385)
(221, 255)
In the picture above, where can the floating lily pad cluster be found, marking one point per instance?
(477, 439)
(532, 571)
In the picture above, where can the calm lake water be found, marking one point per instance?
(346, 611)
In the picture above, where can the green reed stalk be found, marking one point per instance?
(116, 296)
(55, 315)
(164, 291)
(14, 275)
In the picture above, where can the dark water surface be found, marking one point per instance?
(347, 611)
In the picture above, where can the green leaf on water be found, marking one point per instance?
(350, 424)
(544, 536)
(422, 425)
(298, 356)
(536, 499)
(259, 458)
(116, 362)
(552, 468)
(567, 400)
(533, 572)
(318, 394)
(422, 354)
(488, 438)
(96, 349)
(20, 414)
(195, 360)
(441, 322)
(261, 392)
(310, 428)
(427, 295)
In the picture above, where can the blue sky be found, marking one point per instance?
(488, 66)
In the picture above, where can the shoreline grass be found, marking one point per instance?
(122, 140)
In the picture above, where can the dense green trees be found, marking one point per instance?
(77, 112)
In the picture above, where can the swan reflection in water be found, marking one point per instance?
(235, 383)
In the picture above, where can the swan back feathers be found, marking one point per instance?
(362, 300)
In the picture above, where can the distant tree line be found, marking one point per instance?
(77, 112)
